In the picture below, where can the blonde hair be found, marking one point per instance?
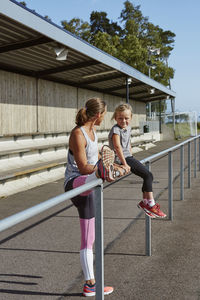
(92, 107)
(120, 108)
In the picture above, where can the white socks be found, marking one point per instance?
(86, 257)
(150, 202)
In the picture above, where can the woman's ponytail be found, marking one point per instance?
(81, 117)
(92, 107)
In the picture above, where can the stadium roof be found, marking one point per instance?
(27, 42)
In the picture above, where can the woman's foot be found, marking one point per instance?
(90, 290)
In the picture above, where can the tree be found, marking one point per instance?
(78, 27)
(100, 22)
(129, 40)
(23, 3)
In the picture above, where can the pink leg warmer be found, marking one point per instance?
(87, 233)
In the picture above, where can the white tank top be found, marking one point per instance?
(91, 150)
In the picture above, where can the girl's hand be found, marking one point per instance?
(122, 171)
(126, 167)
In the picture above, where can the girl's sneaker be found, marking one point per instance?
(90, 290)
(154, 210)
(142, 206)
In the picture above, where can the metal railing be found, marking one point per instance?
(98, 189)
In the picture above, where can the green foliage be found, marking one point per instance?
(23, 3)
(78, 27)
(128, 41)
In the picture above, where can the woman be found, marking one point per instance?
(83, 166)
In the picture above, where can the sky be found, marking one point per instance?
(178, 16)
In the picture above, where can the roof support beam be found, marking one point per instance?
(106, 78)
(16, 70)
(64, 68)
(123, 86)
(24, 44)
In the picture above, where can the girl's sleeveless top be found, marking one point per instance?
(91, 150)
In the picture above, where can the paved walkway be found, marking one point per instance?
(40, 257)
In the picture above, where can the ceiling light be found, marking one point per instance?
(61, 53)
(152, 91)
(129, 80)
(100, 73)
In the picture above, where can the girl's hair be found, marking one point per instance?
(120, 108)
(92, 107)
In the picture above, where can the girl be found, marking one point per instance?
(82, 167)
(119, 140)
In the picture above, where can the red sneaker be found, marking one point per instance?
(90, 290)
(155, 210)
(142, 206)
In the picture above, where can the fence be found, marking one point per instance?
(98, 186)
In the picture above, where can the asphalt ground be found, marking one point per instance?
(40, 257)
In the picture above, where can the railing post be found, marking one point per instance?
(170, 185)
(182, 173)
(148, 225)
(99, 244)
(189, 165)
(199, 153)
(195, 158)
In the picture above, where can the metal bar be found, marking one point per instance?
(199, 153)
(195, 158)
(39, 208)
(164, 152)
(182, 173)
(148, 235)
(160, 119)
(127, 90)
(189, 164)
(148, 226)
(99, 244)
(170, 185)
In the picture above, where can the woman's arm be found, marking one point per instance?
(119, 151)
(77, 144)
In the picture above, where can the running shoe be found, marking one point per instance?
(105, 164)
(105, 172)
(90, 290)
(142, 206)
(155, 210)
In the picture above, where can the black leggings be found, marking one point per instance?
(84, 204)
(140, 170)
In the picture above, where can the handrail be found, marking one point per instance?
(39, 208)
(98, 185)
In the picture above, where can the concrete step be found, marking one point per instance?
(27, 161)
(24, 179)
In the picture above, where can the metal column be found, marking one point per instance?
(195, 158)
(127, 90)
(189, 164)
(148, 225)
(170, 186)
(182, 173)
(199, 153)
(99, 244)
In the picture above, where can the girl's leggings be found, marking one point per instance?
(86, 209)
(139, 169)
